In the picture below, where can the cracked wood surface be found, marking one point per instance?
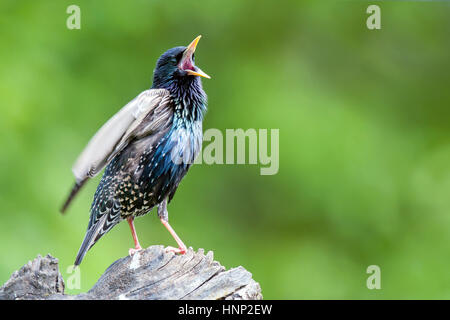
(151, 274)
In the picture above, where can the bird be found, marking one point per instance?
(146, 148)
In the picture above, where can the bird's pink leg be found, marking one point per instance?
(137, 246)
(181, 246)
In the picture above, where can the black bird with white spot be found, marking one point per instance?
(147, 148)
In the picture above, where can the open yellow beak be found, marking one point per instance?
(188, 55)
(199, 73)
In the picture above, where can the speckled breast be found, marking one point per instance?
(159, 168)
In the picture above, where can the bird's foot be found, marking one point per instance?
(181, 250)
(181, 246)
(132, 251)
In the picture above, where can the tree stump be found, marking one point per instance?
(152, 274)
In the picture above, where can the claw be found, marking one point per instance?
(132, 251)
(176, 250)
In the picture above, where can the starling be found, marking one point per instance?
(147, 148)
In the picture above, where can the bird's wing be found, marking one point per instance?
(149, 122)
(151, 106)
(109, 140)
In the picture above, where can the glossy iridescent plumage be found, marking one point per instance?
(158, 145)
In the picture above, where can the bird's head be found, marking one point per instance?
(177, 65)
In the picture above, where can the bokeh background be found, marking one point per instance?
(364, 137)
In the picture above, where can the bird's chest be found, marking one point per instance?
(184, 142)
(159, 172)
(170, 160)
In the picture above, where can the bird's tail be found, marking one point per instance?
(73, 193)
(96, 231)
(92, 235)
(88, 242)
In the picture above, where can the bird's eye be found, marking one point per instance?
(174, 60)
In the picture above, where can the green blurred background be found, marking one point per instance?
(364, 137)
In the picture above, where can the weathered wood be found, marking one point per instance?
(151, 274)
